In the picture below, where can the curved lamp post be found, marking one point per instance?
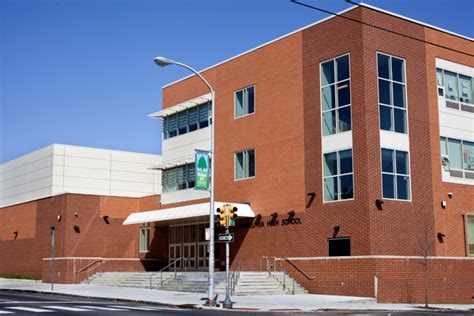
(162, 62)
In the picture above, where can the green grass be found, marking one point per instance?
(16, 276)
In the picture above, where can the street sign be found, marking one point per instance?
(226, 237)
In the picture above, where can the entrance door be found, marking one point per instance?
(189, 243)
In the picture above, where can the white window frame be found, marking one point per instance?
(392, 107)
(458, 87)
(394, 161)
(446, 157)
(245, 100)
(339, 175)
(147, 234)
(466, 218)
(245, 164)
(337, 107)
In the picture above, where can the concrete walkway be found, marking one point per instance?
(306, 302)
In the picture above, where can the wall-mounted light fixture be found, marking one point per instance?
(443, 204)
(59, 217)
(106, 219)
(75, 214)
(77, 229)
(441, 237)
(379, 204)
(450, 194)
(336, 230)
(15, 233)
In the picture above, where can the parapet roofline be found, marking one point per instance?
(321, 21)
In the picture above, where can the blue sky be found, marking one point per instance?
(81, 72)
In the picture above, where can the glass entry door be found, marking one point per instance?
(189, 243)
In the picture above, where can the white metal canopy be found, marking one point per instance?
(181, 106)
(182, 212)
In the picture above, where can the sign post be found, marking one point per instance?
(52, 257)
(202, 170)
(227, 302)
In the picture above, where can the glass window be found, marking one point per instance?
(465, 87)
(468, 155)
(182, 179)
(204, 115)
(245, 101)
(470, 234)
(338, 176)
(392, 93)
(178, 178)
(165, 128)
(336, 96)
(245, 164)
(454, 152)
(443, 146)
(439, 77)
(395, 174)
(183, 122)
(339, 247)
(191, 176)
(193, 119)
(144, 239)
(451, 85)
(186, 121)
(172, 125)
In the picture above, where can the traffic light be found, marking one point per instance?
(222, 216)
(232, 215)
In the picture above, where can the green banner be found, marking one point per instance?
(202, 170)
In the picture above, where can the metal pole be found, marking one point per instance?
(52, 257)
(212, 210)
(227, 302)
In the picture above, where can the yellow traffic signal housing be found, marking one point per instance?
(223, 221)
(232, 214)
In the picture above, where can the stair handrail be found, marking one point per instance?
(166, 267)
(87, 268)
(235, 277)
(296, 267)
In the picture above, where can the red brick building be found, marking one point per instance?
(348, 146)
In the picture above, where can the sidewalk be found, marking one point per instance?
(306, 302)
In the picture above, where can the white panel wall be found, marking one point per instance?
(336, 142)
(58, 169)
(183, 195)
(182, 147)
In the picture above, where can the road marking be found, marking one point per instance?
(103, 308)
(134, 307)
(64, 308)
(5, 312)
(31, 309)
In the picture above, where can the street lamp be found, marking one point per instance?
(162, 62)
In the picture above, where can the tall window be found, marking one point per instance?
(187, 120)
(245, 164)
(179, 178)
(395, 174)
(336, 95)
(470, 235)
(338, 176)
(144, 239)
(245, 101)
(392, 93)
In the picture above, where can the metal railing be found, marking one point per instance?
(271, 265)
(88, 267)
(234, 278)
(174, 264)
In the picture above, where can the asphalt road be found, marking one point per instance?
(21, 303)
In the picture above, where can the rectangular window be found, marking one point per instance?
(336, 95)
(455, 87)
(178, 178)
(339, 247)
(338, 176)
(187, 120)
(144, 239)
(469, 234)
(459, 152)
(392, 93)
(244, 101)
(395, 174)
(245, 164)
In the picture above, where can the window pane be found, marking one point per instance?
(239, 165)
(468, 155)
(384, 91)
(327, 73)
(347, 187)
(451, 85)
(329, 122)
(251, 163)
(388, 186)
(330, 164)
(470, 235)
(387, 160)
(344, 119)
(251, 100)
(400, 120)
(172, 125)
(343, 93)
(345, 161)
(402, 162)
(466, 89)
(191, 175)
(330, 189)
(182, 178)
(403, 187)
(440, 92)
(442, 146)
(386, 118)
(398, 73)
(204, 115)
(439, 77)
(329, 99)
(165, 128)
(182, 122)
(382, 62)
(342, 64)
(172, 179)
(398, 95)
(193, 118)
(454, 152)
